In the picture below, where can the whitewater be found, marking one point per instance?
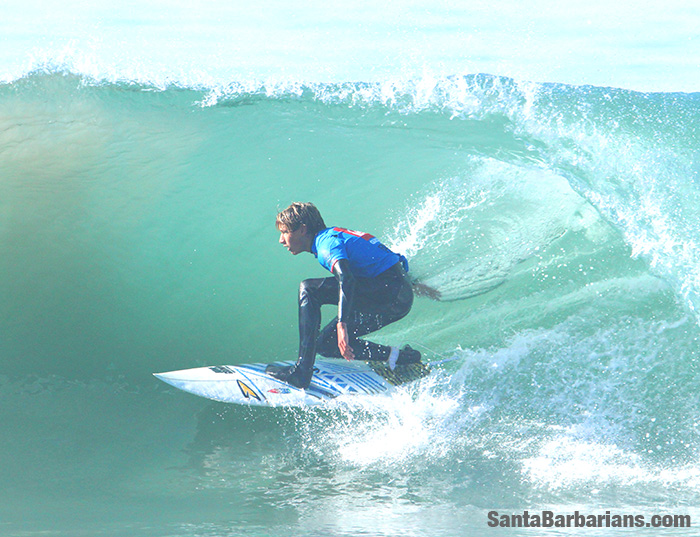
(538, 165)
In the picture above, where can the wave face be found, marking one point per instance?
(559, 223)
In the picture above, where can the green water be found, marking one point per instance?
(137, 235)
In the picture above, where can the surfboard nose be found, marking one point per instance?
(161, 376)
(183, 377)
(167, 376)
(197, 373)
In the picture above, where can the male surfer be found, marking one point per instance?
(369, 285)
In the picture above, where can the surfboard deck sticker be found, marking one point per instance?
(249, 384)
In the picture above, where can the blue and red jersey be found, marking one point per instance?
(366, 256)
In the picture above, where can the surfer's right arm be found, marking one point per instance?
(346, 285)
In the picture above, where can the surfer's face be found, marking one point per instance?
(296, 241)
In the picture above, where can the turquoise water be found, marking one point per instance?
(559, 221)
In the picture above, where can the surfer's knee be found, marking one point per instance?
(317, 290)
(306, 289)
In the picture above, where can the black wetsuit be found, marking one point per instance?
(365, 302)
(366, 305)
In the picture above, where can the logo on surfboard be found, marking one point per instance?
(247, 391)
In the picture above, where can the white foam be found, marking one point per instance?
(413, 422)
(565, 462)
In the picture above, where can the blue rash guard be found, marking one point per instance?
(366, 256)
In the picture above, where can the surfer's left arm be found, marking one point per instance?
(346, 285)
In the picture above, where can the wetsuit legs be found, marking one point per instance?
(362, 324)
(313, 294)
(379, 301)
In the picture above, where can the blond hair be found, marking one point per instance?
(299, 214)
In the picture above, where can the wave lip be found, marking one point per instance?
(168, 42)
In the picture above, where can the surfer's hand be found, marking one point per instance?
(344, 342)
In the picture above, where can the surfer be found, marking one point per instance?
(369, 285)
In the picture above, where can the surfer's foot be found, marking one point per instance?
(407, 355)
(404, 356)
(291, 374)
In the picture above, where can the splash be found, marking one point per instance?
(469, 233)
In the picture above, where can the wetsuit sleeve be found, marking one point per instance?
(346, 281)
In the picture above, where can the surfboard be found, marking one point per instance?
(248, 384)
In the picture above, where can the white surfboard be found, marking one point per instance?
(249, 384)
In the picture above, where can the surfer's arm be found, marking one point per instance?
(346, 285)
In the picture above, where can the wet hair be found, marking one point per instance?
(298, 214)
